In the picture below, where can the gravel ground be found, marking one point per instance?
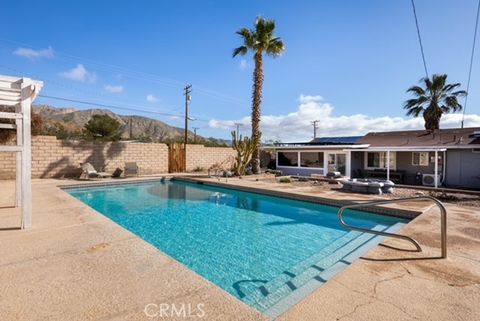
(453, 198)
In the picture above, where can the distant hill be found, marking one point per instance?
(72, 120)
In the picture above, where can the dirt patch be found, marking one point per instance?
(450, 198)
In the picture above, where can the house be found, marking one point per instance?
(446, 157)
(319, 156)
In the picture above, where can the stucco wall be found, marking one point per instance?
(404, 163)
(57, 158)
(199, 156)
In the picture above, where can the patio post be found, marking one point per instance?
(436, 169)
(388, 165)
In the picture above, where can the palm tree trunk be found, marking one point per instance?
(256, 109)
(432, 116)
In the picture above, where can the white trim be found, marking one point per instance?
(319, 147)
(10, 148)
(402, 149)
(388, 164)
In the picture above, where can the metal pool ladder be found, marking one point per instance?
(443, 216)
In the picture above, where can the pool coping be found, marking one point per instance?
(403, 285)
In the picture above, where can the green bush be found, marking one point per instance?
(285, 180)
(102, 127)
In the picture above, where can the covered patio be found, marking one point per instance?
(396, 163)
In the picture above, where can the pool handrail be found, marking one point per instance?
(443, 216)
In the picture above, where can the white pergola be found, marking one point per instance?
(19, 92)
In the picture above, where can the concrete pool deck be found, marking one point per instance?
(75, 264)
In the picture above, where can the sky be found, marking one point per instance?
(348, 63)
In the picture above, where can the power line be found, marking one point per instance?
(107, 105)
(419, 38)
(140, 75)
(64, 85)
(471, 63)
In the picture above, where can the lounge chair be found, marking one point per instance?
(131, 168)
(89, 171)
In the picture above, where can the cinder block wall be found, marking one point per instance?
(57, 158)
(205, 157)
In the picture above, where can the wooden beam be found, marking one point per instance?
(8, 126)
(10, 149)
(25, 106)
(10, 115)
(9, 89)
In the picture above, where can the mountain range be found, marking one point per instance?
(72, 120)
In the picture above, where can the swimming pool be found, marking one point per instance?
(269, 252)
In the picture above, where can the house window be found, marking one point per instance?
(311, 159)
(376, 160)
(420, 158)
(288, 159)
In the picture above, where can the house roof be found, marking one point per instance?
(454, 137)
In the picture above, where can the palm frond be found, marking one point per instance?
(415, 102)
(450, 87)
(452, 104)
(459, 93)
(242, 50)
(275, 47)
(248, 37)
(416, 90)
(415, 111)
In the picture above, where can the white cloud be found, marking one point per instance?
(151, 98)
(79, 73)
(243, 64)
(296, 126)
(35, 54)
(114, 89)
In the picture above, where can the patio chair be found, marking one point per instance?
(89, 172)
(131, 168)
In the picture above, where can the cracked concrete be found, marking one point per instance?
(78, 265)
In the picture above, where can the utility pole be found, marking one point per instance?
(130, 128)
(237, 132)
(195, 134)
(188, 90)
(314, 123)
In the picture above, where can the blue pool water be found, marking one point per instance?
(261, 249)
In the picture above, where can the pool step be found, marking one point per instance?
(318, 268)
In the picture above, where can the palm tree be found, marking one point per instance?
(434, 100)
(259, 40)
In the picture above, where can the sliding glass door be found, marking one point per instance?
(337, 162)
